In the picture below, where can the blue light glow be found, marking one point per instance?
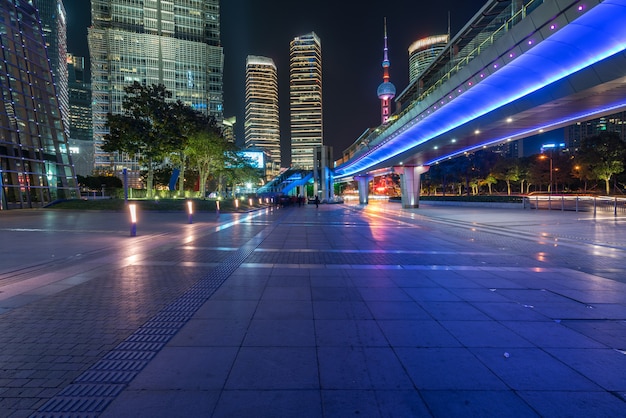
(598, 34)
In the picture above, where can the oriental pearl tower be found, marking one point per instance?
(386, 90)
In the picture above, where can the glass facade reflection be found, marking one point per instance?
(305, 98)
(261, 126)
(171, 42)
(35, 165)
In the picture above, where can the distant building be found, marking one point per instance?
(54, 25)
(423, 52)
(35, 163)
(261, 125)
(228, 129)
(305, 99)
(81, 127)
(574, 134)
(176, 44)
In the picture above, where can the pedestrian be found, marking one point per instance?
(317, 202)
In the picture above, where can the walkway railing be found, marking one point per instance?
(595, 204)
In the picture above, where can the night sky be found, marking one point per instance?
(352, 51)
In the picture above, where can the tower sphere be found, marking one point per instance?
(386, 91)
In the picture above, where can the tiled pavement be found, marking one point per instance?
(301, 312)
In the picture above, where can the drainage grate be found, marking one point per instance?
(91, 393)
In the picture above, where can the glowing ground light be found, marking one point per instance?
(133, 219)
(190, 211)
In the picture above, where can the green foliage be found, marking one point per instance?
(97, 182)
(601, 156)
(147, 127)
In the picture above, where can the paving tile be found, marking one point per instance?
(478, 403)
(373, 403)
(284, 309)
(605, 366)
(186, 368)
(349, 333)
(341, 310)
(574, 403)
(448, 369)
(449, 311)
(417, 333)
(361, 368)
(396, 310)
(280, 333)
(274, 368)
(548, 334)
(162, 404)
(269, 404)
(432, 294)
(484, 334)
(532, 369)
(211, 333)
(227, 309)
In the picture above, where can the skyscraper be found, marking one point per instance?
(53, 22)
(423, 52)
(35, 164)
(305, 97)
(386, 90)
(171, 42)
(261, 125)
(81, 128)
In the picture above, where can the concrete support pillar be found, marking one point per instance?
(410, 184)
(326, 180)
(364, 189)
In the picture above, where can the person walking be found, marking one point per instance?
(317, 202)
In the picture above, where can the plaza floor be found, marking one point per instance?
(337, 311)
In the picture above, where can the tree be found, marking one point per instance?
(207, 151)
(490, 180)
(508, 170)
(145, 129)
(603, 156)
(190, 122)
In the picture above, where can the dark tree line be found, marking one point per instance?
(597, 165)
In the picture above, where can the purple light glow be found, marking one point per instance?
(531, 73)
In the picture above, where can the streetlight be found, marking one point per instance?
(543, 157)
(551, 147)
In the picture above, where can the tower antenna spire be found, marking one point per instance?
(386, 90)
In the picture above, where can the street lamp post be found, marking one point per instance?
(543, 157)
(550, 187)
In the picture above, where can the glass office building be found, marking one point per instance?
(305, 98)
(54, 25)
(81, 128)
(35, 164)
(261, 125)
(171, 42)
(423, 52)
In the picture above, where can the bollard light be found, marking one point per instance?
(190, 211)
(133, 219)
(217, 202)
(236, 203)
(250, 202)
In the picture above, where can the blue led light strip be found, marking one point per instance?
(593, 37)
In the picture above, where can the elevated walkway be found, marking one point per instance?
(534, 69)
(285, 182)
